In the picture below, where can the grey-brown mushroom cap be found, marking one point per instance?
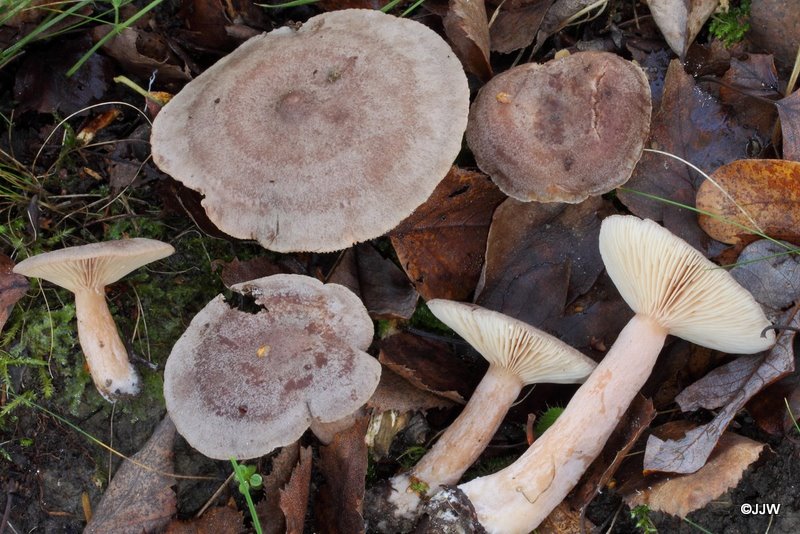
(241, 384)
(315, 139)
(563, 131)
(534, 356)
(661, 276)
(94, 265)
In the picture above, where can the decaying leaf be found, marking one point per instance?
(12, 288)
(680, 20)
(769, 273)
(773, 28)
(294, 496)
(789, 113)
(559, 15)
(397, 393)
(542, 253)
(516, 23)
(681, 495)
(269, 508)
(690, 124)
(343, 463)
(467, 28)
(753, 76)
(767, 190)
(690, 453)
(143, 53)
(564, 520)
(441, 245)
(218, 520)
(140, 497)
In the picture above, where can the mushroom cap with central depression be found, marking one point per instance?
(317, 138)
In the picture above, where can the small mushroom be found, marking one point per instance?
(241, 384)
(674, 290)
(317, 138)
(518, 355)
(563, 131)
(86, 270)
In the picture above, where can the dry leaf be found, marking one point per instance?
(12, 288)
(768, 191)
(561, 13)
(542, 253)
(681, 20)
(218, 520)
(294, 496)
(140, 498)
(516, 23)
(690, 124)
(789, 113)
(142, 53)
(770, 274)
(753, 76)
(690, 453)
(773, 28)
(397, 393)
(564, 520)
(269, 508)
(681, 495)
(467, 28)
(343, 463)
(441, 244)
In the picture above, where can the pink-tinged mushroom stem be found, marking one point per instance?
(519, 497)
(105, 352)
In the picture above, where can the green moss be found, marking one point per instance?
(424, 319)
(731, 27)
(547, 419)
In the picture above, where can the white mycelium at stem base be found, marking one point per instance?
(518, 354)
(674, 290)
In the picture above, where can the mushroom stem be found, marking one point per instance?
(105, 352)
(519, 497)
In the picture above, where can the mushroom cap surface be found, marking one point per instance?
(661, 276)
(315, 139)
(562, 131)
(95, 265)
(533, 355)
(241, 384)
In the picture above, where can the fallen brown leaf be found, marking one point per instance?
(12, 288)
(441, 245)
(140, 497)
(142, 52)
(745, 379)
(753, 76)
(564, 520)
(680, 21)
(767, 190)
(560, 13)
(218, 520)
(770, 274)
(789, 113)
(773, 28)
(294, 495)
(343, 464)
(397, 393)
(516, 23)
(269, 508)
(467, 28)
(683, 494)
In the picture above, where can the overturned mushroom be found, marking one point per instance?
(674, 290)
(563, 131)
(518, 355)
(86, 270)
(242, 384)
(318, 138)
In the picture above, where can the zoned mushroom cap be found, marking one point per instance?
(315, 139)
(533, 355)
(563, 131)
(241, 384)
(661, 276)
(94, 265)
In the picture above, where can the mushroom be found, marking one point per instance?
(674, 290)
(563, 131)
(518, 355)
(241, 384)
(86, 270)
(317, 138)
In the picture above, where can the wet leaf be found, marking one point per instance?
(397, 393)
(542, 253)
(768, 408)
(217, 520)
(770, 274)
(343, 463)
(733, 387)
(140, 498)
(429, 365)
(441, 245)
(767, 190)
(680, 20)
(516, 23)
(683, 494)
(693, 125)
(756, 76)
(269, 509)
(773, 28)
(294, 496)
(467, 28)
(789, 113)
(12, 288)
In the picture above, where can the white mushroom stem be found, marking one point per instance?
(519, 497)
(105, 352)
(462, 442)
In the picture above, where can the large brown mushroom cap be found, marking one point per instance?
(563, 131)
(241, 384)
(95, 265)
(315, 139)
